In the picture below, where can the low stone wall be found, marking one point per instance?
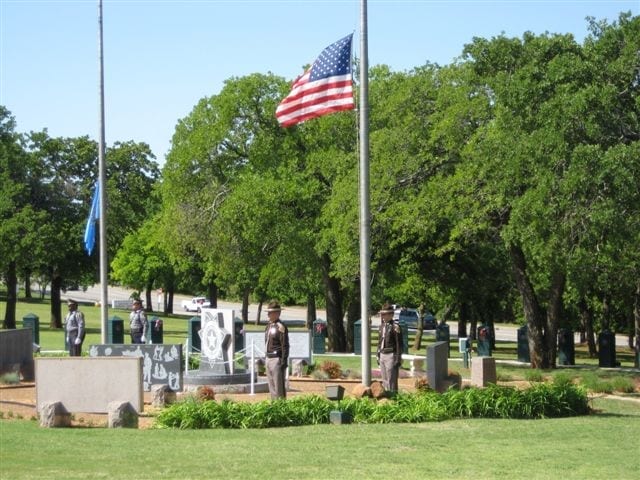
(88, 385)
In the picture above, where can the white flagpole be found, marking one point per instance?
(104, 265)
(364, 198)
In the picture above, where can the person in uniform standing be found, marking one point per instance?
(74, 327)
(389, 351)
(138, 323)
(276, 338)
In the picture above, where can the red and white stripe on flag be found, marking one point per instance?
(324, 88)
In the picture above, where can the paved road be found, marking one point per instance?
(92, 295)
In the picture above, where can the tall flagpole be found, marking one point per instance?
(104, 265)
(364, 198)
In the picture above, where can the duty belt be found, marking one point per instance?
(273, 354)
(387, 350)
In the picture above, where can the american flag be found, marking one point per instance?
(325, 88)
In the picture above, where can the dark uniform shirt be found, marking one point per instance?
(390, 338)
(276, 338)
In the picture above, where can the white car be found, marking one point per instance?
(195, 304)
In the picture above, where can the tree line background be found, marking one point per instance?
(504, 187)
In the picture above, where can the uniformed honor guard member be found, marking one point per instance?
(74, 327)
(389, 352)
(138, 323)
(276, 339)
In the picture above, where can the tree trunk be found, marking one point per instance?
(311, 310)
(12, 297)
(259, 312)
(586, 318)
(212, 288)
(333, 298)
(245, 305)
(532, 311)
(148, 297)
(56, 305)
(169, 292)
(353, 314)
(27, 285)
(636, 316)
(554, 317)
(464, 320)
(606, 313)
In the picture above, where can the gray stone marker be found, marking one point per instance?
(54, 415)
(437, 364)
(483, 371)
(122, 415)
(162, 396)
(16, 353)
(161, 363)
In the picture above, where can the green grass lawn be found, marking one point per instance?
(603, 445)
(175, 330)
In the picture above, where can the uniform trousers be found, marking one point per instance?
(389, 371)
(136, 337)
(74, 350)
(276, 372)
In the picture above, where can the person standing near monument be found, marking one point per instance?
(74, 327)
(276, 339)
(138, 323)
(389, 351)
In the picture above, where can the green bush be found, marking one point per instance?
(11, 378)
(194, 362)
(540, 401)
(194, 414)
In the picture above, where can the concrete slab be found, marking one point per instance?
(88, 385)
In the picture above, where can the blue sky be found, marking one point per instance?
(162, 56)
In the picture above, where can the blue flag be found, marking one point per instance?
(94, 214)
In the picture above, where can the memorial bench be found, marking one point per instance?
(416, 363)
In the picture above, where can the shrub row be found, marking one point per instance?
(538, 401)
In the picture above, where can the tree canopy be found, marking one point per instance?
(503, 187)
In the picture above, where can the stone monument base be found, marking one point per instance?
(223, 383)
